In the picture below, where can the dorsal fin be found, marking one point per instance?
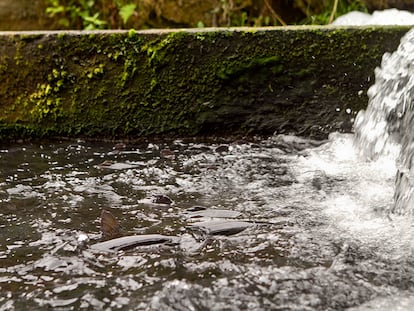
(110, 227)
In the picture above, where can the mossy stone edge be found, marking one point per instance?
(133, 84)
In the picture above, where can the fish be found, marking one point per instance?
(221, 227)
(132, 241)
(117, 239)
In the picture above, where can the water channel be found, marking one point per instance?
(320, 238)
(323, 233)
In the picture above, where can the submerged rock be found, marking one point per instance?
(161, 199)
(222, 149)
(167, 154)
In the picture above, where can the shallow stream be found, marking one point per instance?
(323, 229)
(321, 235)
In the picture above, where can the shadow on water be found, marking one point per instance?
(313, 243)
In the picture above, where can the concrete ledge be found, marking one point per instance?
(118, 84)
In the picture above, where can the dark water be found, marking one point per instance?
(321, 237)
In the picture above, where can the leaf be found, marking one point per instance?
(126, 11)
(55, 10)
(64, 22)
(93, 22)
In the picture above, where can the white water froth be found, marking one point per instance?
(385, 128)
(355, 199)
(377, 129)
(356, 195)
(385, 17)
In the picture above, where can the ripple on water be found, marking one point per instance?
(321, 236)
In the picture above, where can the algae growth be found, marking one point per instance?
(130, 84)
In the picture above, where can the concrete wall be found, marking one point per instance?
(116, 84)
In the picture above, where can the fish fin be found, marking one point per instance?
(110, 227)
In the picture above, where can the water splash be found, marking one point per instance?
(385, 128)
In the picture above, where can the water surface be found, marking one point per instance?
(322, 236)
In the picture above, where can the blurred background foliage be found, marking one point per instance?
(141, 14)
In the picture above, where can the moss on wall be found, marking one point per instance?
(135, 84)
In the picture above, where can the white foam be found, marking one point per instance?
(385, 17)
(357, 205)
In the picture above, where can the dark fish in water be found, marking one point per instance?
(132, 241)
(221, 227)
(116, 239)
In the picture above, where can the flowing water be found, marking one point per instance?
(321, 238)
(325, 232)
(385, 129)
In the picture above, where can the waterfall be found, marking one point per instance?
(386, 128)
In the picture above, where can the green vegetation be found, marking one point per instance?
(140, 14)
(323, 14)
(86, 14)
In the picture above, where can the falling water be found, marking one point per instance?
(385, 128)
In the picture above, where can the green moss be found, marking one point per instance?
(131, 33)
(45, 102)
(200, 36)
(4, 64)
(114, 56)
(95, 71)
(61, 35)
(162, 48)
(18, 58)
(264, 65)
(128, 52)
(184, 83)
